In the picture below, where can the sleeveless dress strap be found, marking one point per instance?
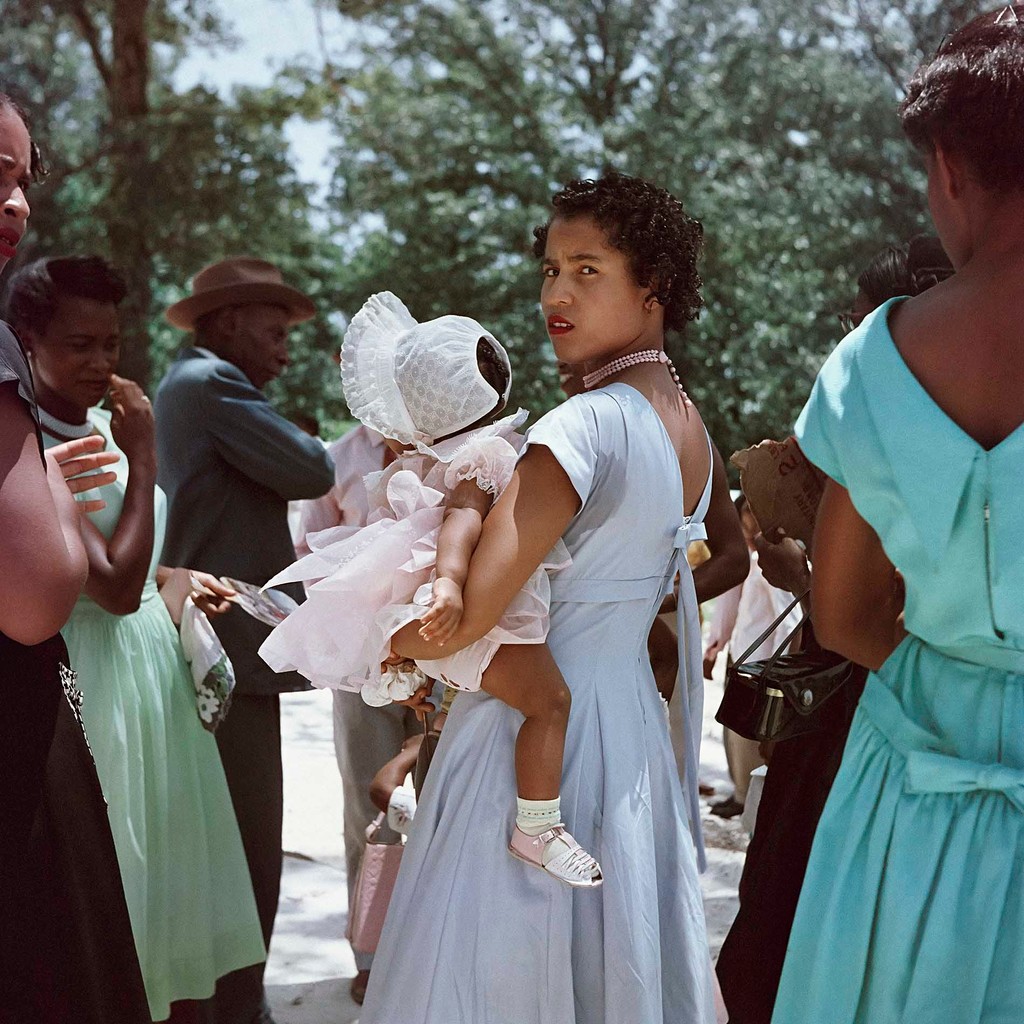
(690, 660)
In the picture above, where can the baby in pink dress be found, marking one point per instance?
(432, 390)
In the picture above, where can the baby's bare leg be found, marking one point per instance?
(525, 677)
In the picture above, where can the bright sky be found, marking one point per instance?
(271, 33)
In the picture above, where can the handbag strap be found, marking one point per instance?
(374, 828)
(771, 629)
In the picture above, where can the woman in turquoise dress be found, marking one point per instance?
(913, 904)
(182, 864)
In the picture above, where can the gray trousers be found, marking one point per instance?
(365, 739)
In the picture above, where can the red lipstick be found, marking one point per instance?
(559, 325)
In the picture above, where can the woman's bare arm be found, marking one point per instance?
(118, 567)
(521, 528)
(40, 548)
(857, 604)
(730, 559)
(393, 772)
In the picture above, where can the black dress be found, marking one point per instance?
(66, 947)
(795, 791)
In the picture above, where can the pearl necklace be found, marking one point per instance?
(647, 355)
(58, 428)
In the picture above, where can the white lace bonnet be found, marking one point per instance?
(415, 382)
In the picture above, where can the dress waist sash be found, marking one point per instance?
(1003, 659)
(595, 591)
(932, 763)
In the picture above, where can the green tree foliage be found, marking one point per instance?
(208, 178)
(775, 123)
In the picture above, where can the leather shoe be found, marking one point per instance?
(727, 808)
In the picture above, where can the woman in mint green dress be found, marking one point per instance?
(913, 905)
(182, 864)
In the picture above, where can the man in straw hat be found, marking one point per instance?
(230, 464)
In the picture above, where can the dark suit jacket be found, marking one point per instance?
(230, 464)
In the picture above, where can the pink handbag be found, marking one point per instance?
(374, 884)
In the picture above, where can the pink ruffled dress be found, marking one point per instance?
(364, 584)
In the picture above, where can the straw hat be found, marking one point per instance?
(239, 281)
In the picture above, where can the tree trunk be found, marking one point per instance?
(127, 223)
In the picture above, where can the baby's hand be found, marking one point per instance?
(445, 612)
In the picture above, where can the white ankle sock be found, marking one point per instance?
(536, 816)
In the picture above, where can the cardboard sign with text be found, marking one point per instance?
(782, 487)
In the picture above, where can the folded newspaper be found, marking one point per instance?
(782, 488)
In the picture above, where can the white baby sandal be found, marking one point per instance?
(556, 852)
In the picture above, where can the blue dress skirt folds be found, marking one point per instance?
(472, 935)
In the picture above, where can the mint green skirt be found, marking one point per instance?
(182, 864)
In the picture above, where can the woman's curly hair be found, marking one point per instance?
(969, 98)
(649, 225)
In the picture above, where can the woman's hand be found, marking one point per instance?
(131, 421)
(782, 562)
(64, 463)
(445, 614)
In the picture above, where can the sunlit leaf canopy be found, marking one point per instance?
(454, 121)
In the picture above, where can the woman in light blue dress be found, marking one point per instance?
(913, 905)
(473, 936)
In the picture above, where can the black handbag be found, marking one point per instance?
(786, 695)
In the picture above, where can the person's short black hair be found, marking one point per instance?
(35, 290)
(37, 168)
(886, 276)
(905, 269)
(649, 225)
(969, 98)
